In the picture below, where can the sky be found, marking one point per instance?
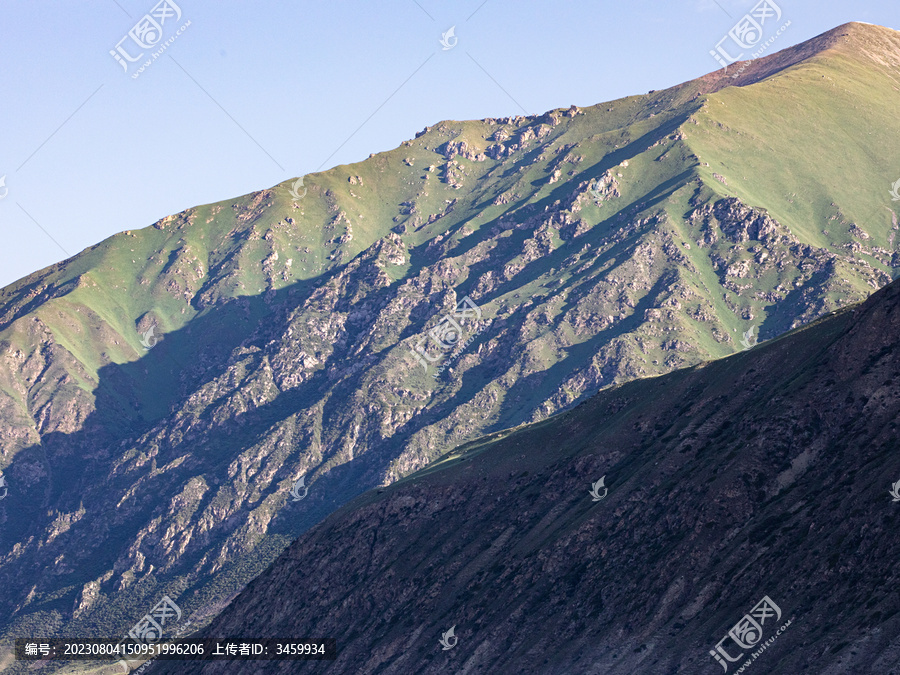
(242, 96)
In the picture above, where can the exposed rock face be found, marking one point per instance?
(741, 224)
(461, 148)
(762, 476)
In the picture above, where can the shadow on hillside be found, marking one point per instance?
(112, 467)
(135, 454)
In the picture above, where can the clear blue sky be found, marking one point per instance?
(254, 93)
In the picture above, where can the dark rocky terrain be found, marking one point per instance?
(764, 474)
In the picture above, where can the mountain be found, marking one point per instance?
(164, 390)
(756, 485)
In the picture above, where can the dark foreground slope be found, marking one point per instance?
(763, 474)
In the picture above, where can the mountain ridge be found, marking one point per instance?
(837, 41)
(600, 245)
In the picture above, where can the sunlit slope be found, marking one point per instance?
(818, 144)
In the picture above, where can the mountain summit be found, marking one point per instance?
(875, 46)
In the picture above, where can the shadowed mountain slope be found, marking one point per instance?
(765, 474)
(162, 391)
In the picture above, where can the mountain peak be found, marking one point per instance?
(876, 44)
